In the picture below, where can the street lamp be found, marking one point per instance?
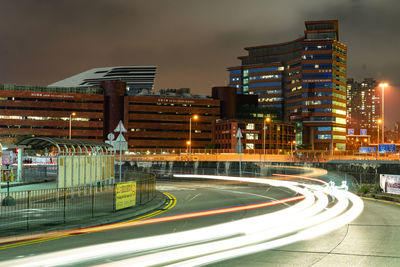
(70, 123)
(291, 149)
(187, 147)
(189, 143)
(383, 85)
(379, 122)
(268, 120)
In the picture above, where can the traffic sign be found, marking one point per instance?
(239, 134)
(120, 128)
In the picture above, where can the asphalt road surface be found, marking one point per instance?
(373, 239)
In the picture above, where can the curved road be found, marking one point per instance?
(373, 239)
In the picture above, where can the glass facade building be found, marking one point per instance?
(305, 78)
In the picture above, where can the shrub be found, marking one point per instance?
(364, 189)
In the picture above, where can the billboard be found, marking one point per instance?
(363, 131)
(387, 148)
(390, 183)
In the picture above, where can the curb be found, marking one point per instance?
(381, 200)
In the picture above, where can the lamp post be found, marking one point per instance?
(267, 119)
(383, 85)
(377, 147)
(291, 149)
(194, 117)
(187, 147)
(379, 122)
(70, 123)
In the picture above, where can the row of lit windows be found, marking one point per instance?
(5, 117)
(265, 69)
(328, 136)
(317, 47)
(264, 92)
(272, 99)
(316, 66)
(265, 77)
(328, 129)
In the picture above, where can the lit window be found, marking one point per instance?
(249, 146)
(250, 126)
(250, 136)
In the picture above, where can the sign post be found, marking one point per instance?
(239, 149)
(8, 177)
(120, 141)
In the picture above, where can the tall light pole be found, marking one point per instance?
(379, 122)
(70, 123)
(194, 117)
(267, 119)
(291, 149)
(383, 85)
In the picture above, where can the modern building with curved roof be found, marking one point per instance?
(137, 78)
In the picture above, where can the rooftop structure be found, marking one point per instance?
(137, 78)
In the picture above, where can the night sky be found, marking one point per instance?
(191, 42)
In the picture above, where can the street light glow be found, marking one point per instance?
(195, 117)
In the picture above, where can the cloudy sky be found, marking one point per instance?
(191, 42)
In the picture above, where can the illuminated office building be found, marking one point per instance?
(305, 79)
(363, 106)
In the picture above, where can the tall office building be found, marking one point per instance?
(137, 78)
(363, 106)
(305, 79)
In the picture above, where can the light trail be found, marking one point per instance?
(308, 218)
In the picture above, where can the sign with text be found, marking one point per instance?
(390, 183)
(387, 148)
(367, 149)
(125, 195)
(350, 131)
(363, 131)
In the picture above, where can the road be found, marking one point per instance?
(371, 240)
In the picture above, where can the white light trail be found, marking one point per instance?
(308, 218)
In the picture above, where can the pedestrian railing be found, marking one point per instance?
(21, 210)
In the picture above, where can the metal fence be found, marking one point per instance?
(50, 207)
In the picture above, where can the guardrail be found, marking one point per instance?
(50, 207)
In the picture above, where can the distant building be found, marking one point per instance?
(162, 121)
(363, 107)
(304, 80)
(277, 135)
(138, 79)
(27, 111)
(154, 122)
